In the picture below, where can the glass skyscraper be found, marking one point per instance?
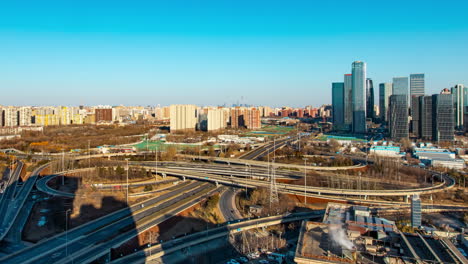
(460, 102)
(400, 86)
(348, 92)
(359, 97)
(417, 84)
(443, 124)
(338, 106)
(398, 116)
(385, 91)
(426, 117)
(369, 99)
(416, 211)
(416, 116)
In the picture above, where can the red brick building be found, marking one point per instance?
(103, 114)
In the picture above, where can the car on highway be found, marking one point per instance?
(263, 261)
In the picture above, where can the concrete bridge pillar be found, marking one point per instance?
(217, 184)
(183, 178)
(365, 197)
(164, 175)
(406, 198)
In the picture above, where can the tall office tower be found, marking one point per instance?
(416, 116)
(370, 99)
(25, 115)
(348, 100)
(11, 116)
(460, 101)
(183, 117)
(398, 116)
(417, 84)
(426, 117)
(416, 211)
(443, 118)
(385, 91)
(400, 86)
(338, 105)
(359, 97)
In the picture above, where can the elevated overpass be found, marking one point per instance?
(158, 251)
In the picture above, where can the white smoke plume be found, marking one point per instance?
(338, 235)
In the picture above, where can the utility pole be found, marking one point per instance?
(63, 167)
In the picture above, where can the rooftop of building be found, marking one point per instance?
(339, 239)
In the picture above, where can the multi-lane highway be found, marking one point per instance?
(7, 200)
(243, 182)
(262, 151)
(160, 250)
(105, 228)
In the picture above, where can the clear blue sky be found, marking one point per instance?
(213, 52)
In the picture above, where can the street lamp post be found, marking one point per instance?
(127, 178)
(157, 160)
(305, 181)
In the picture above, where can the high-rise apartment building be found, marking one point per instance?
(102, 114)
(338, 106)
(370, 99)
(252, 118)
(460, 102)
(443, 118)
(216, 119)
(398, 116)
(237, 117)
(25, 116)
(183, 117)
(359, 97)
(348, 100)
(417, 84)
(11, 116)
(385, 91)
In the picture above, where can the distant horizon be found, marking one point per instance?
(216, 52)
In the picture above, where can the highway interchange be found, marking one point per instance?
(85, 243)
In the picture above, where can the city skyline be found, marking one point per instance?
(73, 54)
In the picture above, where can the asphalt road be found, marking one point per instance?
(7, 205)
(86, 256)
(56, 244)
(265, 149)
(227, 205)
